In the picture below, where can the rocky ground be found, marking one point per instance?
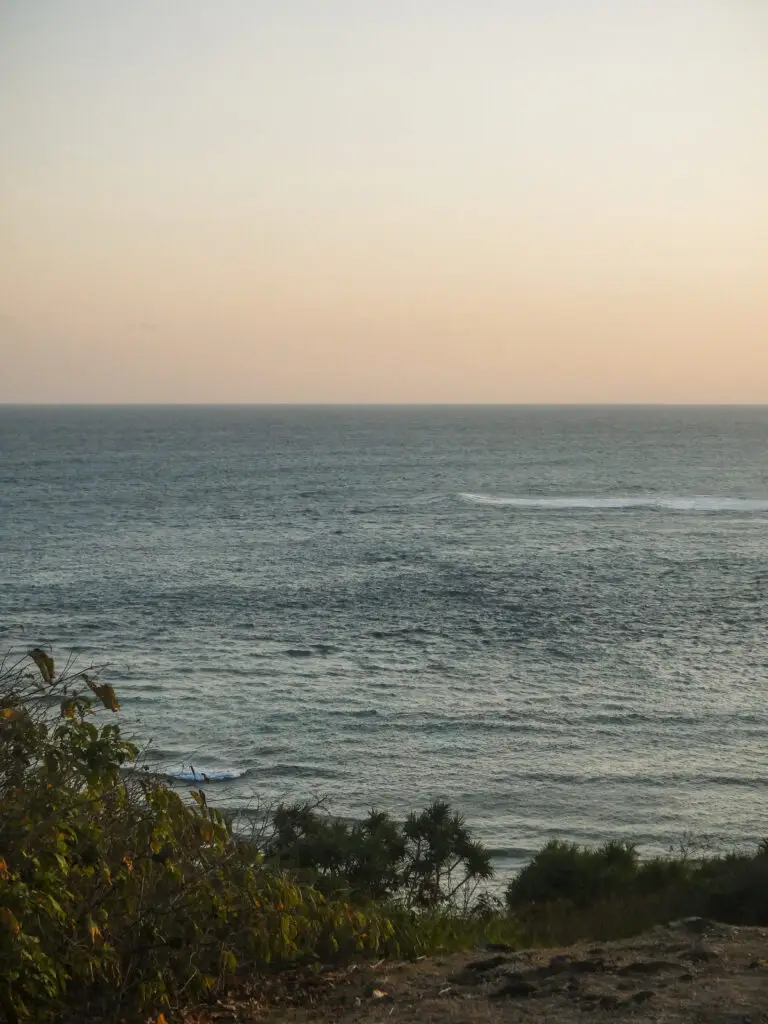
(693, 971)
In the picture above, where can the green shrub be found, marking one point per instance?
(430, 861)
(566, 871)
(734, 888)
(114, 892)
(569, 892)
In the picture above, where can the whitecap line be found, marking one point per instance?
(693, 503)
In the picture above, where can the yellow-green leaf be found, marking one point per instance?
(68, 709)
(8, 919)
(44, 662)
(106, 695)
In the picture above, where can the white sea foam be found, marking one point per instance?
(694, 503)
(206, 774)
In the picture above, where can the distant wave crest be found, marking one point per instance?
(694, 503)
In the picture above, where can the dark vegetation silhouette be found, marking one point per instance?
(119, 895)
(569, 892)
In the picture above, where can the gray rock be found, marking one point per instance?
(608, 1002)
(488, 965)
(646, 967)
(642, 996)
(698, 925)
(700, 955)
(592, 966)
(467, 978)
(516, 988)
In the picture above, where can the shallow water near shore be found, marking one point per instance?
(553, 617)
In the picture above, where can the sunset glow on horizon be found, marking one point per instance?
(555, 201)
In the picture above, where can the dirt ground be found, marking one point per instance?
(693, 971)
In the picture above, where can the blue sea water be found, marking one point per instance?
(553, 617)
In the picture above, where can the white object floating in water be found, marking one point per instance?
(206, 774)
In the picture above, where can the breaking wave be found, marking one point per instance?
(206, 774)
(695, 503)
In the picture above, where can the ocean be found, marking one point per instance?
(553, 617)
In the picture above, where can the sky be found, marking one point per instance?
(348, 201)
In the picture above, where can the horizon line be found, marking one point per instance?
(383, 405)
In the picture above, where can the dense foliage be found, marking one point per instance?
(112, 888)
(119, 895)
(428, 861)
(568, 891)
(116, 891)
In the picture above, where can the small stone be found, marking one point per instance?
(608, 1002)
(592, 966)
(675, 947)
(645, 967)
(375, 991)
(466, 978)
(642, 996)
(516, 988)
(699, 955)
(699, 925)
(488, 965)
(556, 965)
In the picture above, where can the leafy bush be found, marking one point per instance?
(734, 888)
(430, 861)
(562, 871)
(116, 893)
(568, 892)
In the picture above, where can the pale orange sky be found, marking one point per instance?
(518, 201)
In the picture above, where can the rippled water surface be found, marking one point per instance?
(556, 618)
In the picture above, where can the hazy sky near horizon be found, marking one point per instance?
(519, 201)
